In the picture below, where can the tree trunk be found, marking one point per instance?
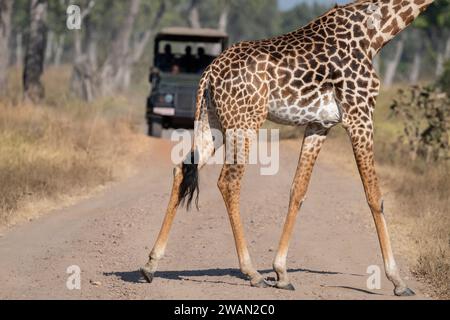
(142, 43)
(442, 56)
(439, 64)
(447, 50)
(91, 78)
(35, 52)
(19, 51)
(222, 26)
(393, 64)
(415, 71)
(49, 47)
(84, 81)
(117, 69)
(194, 15)
(84, 75)
(92, 52)
(113, 75)
(223, 19)
(376, 63)
(5, 32)
(59, 50)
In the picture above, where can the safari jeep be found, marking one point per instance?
(180, 57)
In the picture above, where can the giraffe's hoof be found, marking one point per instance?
(287, 286)
(147, 275)
(404, 292)
(260, 283)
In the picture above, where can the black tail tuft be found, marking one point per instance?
(189, 185)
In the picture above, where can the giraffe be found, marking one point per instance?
(317, 76)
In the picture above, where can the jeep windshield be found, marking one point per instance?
(187, 51)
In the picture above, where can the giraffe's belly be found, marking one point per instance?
(324, 111)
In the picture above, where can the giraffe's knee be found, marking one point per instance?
(227, 187)
(224, 184)
(221, 184)
(376, 205)
(230, 178)
(297, 195)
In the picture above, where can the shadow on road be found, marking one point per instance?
(136, 277)
(354, 289)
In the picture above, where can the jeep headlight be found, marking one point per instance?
(168, 98)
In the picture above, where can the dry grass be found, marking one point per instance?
(417, 197)
(421, 194)
(61, 149)
(422, 204)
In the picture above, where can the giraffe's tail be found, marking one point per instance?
(202, 148)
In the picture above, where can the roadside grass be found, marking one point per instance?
(62, 149)
(417, 195)
(421, 195)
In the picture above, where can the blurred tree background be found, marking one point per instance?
(116, 36)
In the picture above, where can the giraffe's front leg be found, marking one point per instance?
(314, 138)
(363, 149)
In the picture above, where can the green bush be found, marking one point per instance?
(425, 113)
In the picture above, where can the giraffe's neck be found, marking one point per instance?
(371, 24)
(384, 19)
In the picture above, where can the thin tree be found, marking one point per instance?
(94, 78)
(194, 14)
(84, 77)
(414, 74)
(392, 65)
(223, 19)
(5, 32)
(35, 52)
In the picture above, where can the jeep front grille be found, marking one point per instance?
(185, 102)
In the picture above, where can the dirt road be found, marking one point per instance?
(110, 235)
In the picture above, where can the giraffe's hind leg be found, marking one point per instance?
(158, 250)
(237, 154)
(205, 148)
(230, 186)
(315, 136)
(240, 127)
